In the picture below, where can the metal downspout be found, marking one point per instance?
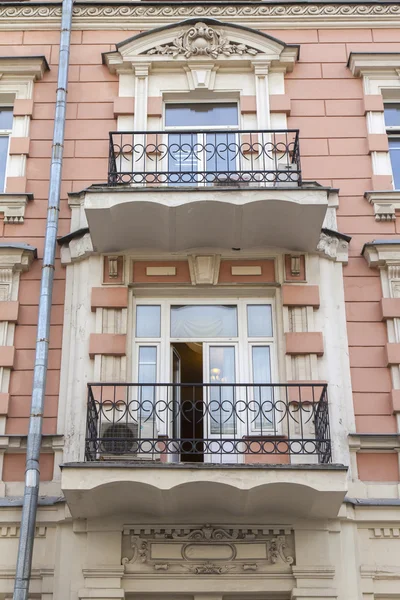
(31, 492)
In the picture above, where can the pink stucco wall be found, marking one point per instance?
(327, 107)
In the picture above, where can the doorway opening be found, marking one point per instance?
(187, 366)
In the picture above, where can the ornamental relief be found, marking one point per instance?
(202, 40)
(207, 550)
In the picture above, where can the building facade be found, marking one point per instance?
(223, 390)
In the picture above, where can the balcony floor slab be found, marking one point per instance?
(203, 492)
(179, 218)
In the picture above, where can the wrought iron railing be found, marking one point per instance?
(214, 158)
(207, 422)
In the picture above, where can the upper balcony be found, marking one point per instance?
(205, 158)
(172, 190)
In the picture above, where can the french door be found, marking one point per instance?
(206, 368)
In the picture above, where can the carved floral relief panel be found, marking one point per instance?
(207, 550)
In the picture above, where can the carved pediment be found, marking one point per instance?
(206, 40)
(207, 550)
(202, 40)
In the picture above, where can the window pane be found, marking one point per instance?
(6, 117)
(221, 397)
(392, 115)
(262, 413)
(147, 364)
(201, 115)
(394, 149)
(221, 152)
(148, 321)
(147, 373)
(184, 154)
(3, 160)
(261, 364)
(259, 320)
(203, 321)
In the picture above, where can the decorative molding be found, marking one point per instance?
(138, 15)
(76, 249)
(208, 40)
(16, 257)
(384, 253)
(13, 531)
(385, 204)
(204, 270)
(335, 247)
(206, 550)
(13, 207)
(385, 532)
(201, 77)
(380, 573)
(365, 63)
(202, 40)
(27, 66)
(374, 442)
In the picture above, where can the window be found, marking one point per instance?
(6, 118)
(392, 124)
(196, 156)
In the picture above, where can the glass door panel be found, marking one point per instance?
(220, 410)
(262, 412)
(201, 157)
(185, 155)
(148, 426)
(175, 414)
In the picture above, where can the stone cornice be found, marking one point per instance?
(27, 66)
(382, 253)
(146, 15)
(17, 257)
(385, 204)
(365, 63)
(13, 207)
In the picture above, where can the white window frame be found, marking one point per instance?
(201, 136)
(242, 342)
(6, 133)
(393, 132)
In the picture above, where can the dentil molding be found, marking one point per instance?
(385, 204)
(13, 207)
(140, 15)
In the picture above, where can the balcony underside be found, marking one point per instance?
(203, 493)
(179, 218)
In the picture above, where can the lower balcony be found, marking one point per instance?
(216, 448)
(212, 423)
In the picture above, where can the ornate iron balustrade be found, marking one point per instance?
(210, 422)
(215, 158)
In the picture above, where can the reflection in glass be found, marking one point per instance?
(221, 397)
(261, 414)
(184, 157)
(392, 115)
(3, 160)
(201, 115)
(195, 321)
(394, 149)
(259, 320)
(220, 152)
(147, 373)
(6, 117)
(148, 321)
